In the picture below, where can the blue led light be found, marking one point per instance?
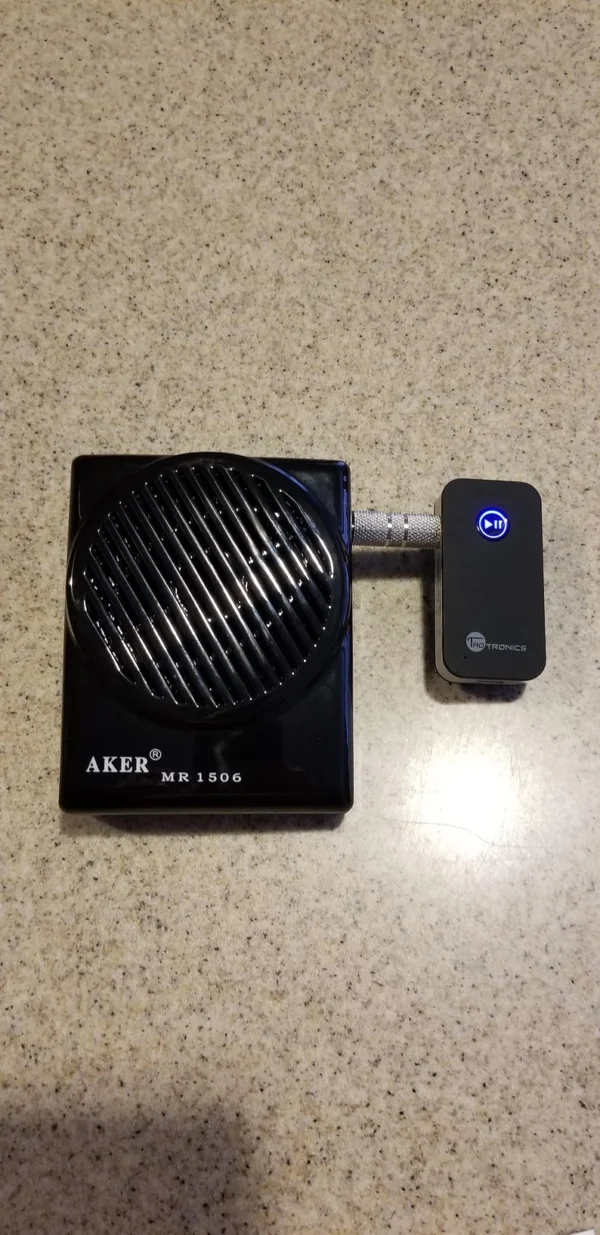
(492, 524)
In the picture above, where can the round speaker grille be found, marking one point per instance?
(206, 586)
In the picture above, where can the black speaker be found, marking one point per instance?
(207, 662)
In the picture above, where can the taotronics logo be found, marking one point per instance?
(476, 642)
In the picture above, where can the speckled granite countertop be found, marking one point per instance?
(358, 230)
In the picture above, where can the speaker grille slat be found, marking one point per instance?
(286, 564)
(195, 590)
(209, 578)
(201, 645)
(160, 623)
(120, 633)
(261, 578)
(206, 584)
(112, 634)
(144, 609)
(225, 545)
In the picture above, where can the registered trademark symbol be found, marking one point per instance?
(155, 753)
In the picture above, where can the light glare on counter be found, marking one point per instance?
(472, 799)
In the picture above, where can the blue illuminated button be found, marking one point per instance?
(492, 524)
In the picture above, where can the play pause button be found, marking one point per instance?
(492, 524)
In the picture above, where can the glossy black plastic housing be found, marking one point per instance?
(208, 645)
(490, 583)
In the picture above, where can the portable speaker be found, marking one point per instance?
(207, 662)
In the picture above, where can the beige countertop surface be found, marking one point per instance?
(356, 230)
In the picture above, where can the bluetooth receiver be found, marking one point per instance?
(490, 583)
